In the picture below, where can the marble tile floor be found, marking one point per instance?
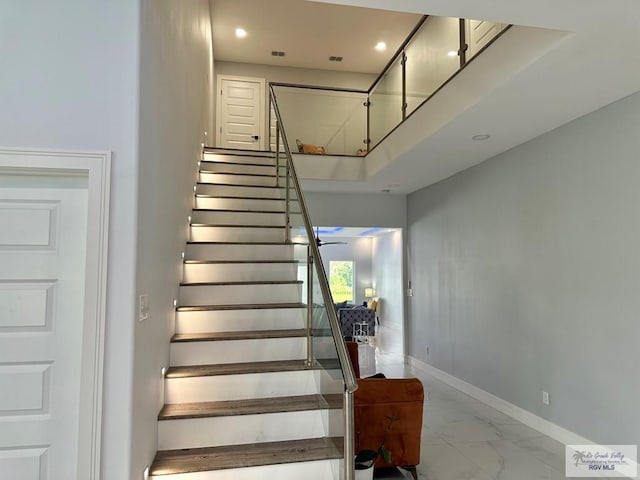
(465, 439)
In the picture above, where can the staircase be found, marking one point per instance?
(242, 401)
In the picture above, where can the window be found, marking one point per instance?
(341, 280)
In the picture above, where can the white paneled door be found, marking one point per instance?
(43, 232)
(240, 113)
(478, 33)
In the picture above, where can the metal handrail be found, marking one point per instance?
(305, 86)
(350, 381)
(399, 52)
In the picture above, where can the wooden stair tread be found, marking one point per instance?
(252, 406)
(239, 152)
(206, 242)
(247, 282)
(225, 225)
(238, 368)
(246, 174)
(242, 306)
(249, 164)
(240, 184)
(234, 262)
(241, 335)
(252, 455)
(238, 197)
(236, 210)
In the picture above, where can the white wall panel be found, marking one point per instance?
(24, 464)
(73, 84)
(28, 224)
(25, 306)
(24, 389)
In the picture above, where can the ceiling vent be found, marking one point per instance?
(335, 59)
(276, 53)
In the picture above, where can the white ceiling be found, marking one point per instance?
(583, 55)
(309, 33)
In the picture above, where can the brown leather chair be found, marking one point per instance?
(374, 401)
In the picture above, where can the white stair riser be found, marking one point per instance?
(237, 234)
(238, 351)
(212, 167)
(244, 429)
(240, 204)
(237, 179)
(243, 252)
(240, 191)
(262, 159)
(239, 320)
(239, 272)
(238, 218)
(318, 470)
(241, 386)
(333, 423)
(192, 295)
(324, 347)
(329, 381)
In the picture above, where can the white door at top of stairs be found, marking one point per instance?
(240, 113)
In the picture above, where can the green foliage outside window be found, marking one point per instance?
(341, 280)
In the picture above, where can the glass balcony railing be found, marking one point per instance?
(335, 121)
(385, 103)
(431, 58)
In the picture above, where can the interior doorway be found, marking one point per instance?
(377, 258)
(240, 113)
(53, 252)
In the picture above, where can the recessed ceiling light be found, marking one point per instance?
(381, 46)
(452, 53)
(241, 32)
(483, 136)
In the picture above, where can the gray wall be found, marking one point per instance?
(526, 273)
(356, 210)
(357, 250)
(175, 88)
(387, 262)
(304, 76)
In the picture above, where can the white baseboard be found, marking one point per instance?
(546, 427)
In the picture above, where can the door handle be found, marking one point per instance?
(255, 137)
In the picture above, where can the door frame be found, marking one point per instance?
(261, 127)
(96, 167)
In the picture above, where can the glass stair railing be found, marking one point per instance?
(326, 348)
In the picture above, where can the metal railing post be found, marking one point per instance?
(309, 306)
(277, 155)
(462, 51)
(287, 204)
(403, 62)
(349, 434)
